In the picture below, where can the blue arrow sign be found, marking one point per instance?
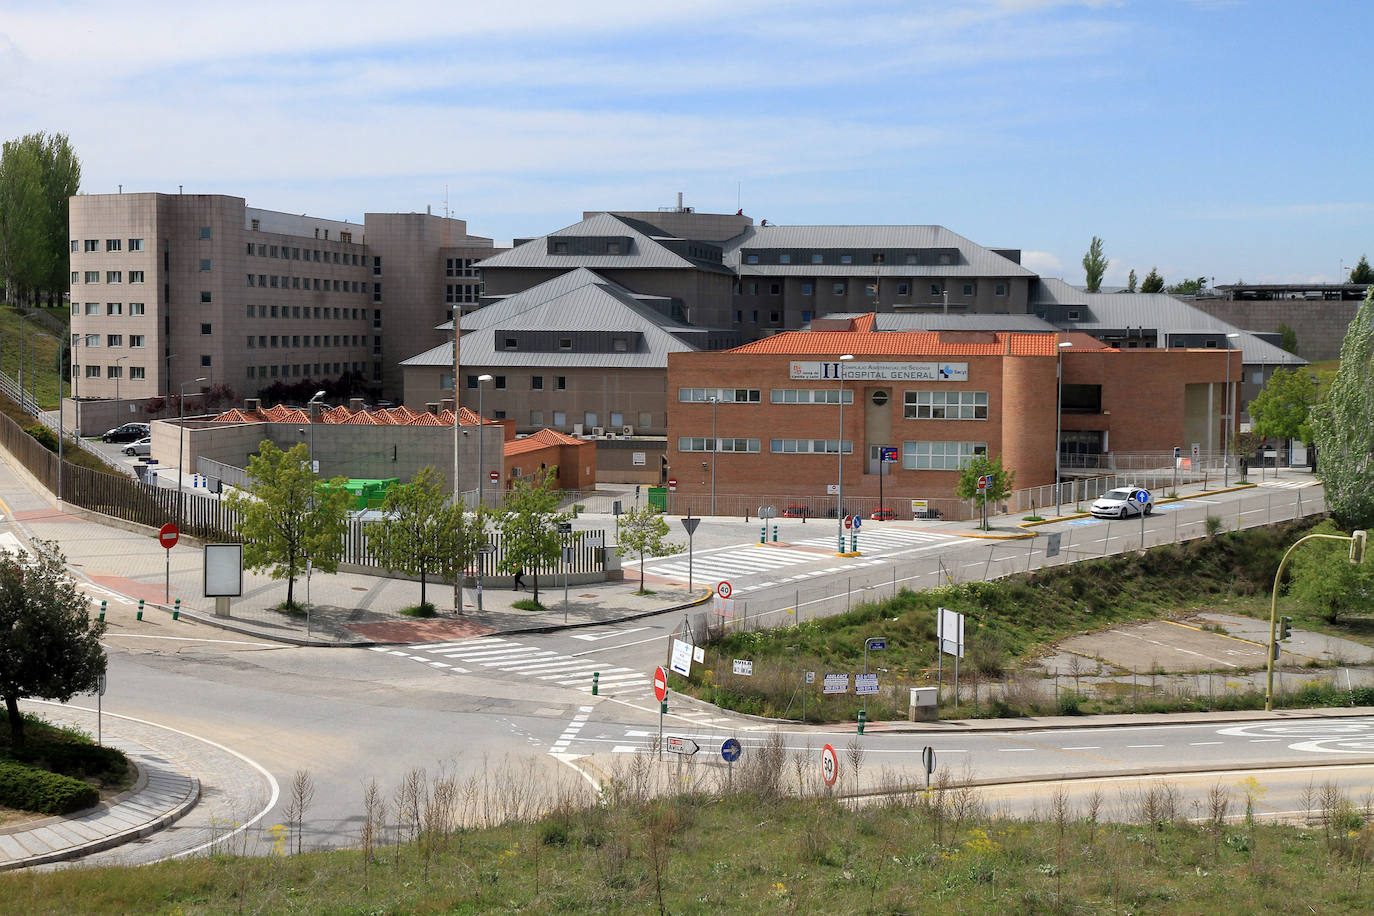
(731, 750)
(1142, 497)
(876, 644)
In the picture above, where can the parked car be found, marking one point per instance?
(1122, 502)
(143, 446)
(126, 433)
(883, 515)
(795, 512)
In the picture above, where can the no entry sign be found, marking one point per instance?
(672, 483)
(495, 476)
(167, 535)
(660, 683)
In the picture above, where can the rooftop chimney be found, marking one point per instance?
(355, 404)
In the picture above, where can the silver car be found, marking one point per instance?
(1123, 502)
(143, 446)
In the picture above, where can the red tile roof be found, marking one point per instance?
(394, 416)
(545, 438)
(862, 341)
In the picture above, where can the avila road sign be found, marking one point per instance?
(167, 535)
(684, 746)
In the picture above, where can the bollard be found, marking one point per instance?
(775, 534)
(102, 609)
(763, 534)
(863, 717)
(596, 682)
(140, 610)
(176, 611)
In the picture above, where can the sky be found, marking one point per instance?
(1226, 139)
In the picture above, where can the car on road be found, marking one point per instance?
(1123, 502)
(129, 432)
(143, 446)
(883, 515)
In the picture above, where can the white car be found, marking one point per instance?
(1123, 502)
(143, 446)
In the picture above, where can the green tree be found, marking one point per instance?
(1343, 425)
(1283, 407)
(291, 516)
(1188, 287)
(1153, 282)
(1000, 487)
(1362, 272)
(1130, 281)
(422, 532)
(1288, 339)
(38, 175)
(1326, 582)
(642, 530)
(1094, 265)
(49, 645)
(528, 521)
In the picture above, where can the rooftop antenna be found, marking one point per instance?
(446, 200)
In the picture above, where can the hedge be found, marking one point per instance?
(32, 789)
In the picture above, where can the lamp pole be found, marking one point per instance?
(119, 371)
(481, 477)
(76, 379)
(839, 448)
(1058, 422)
(1226, 418)
(715, 452)
(457, 491)
(310, 406)
(181, 438)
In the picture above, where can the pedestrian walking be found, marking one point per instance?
(520, 579)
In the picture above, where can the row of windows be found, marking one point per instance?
(809, 396)
(316, 311)
(276, 281)
(840, 287)
(111, 340)
(560, 383)
(93, 245)
(111, 308)
(287, 341)
(136, 373)
(305, 370)
(460, 293)
(810, 446)
(945, 405)
(707, 444)
(817, 257)
(460, 267)
(294, 254)
(721, 395)
(940, 456)
(618, 344)
(111, 276)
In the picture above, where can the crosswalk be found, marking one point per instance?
(781, 562)
(491, 655)
(1288, 483)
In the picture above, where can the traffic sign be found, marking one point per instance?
(495, 476)
(830, 765)
(928, 759)
(1142, 496)
(849, 521)
(877, 643)
(724, 589)
(730, 750)
(672, 484)
(858, 520)
(660, 684)
(167, 535)
(984, 481)
(684, 746)
(889, 454)
(691, 525)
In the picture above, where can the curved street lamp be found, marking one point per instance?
(181, 439)
(839, 448)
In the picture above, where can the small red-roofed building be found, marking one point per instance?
(574, 458)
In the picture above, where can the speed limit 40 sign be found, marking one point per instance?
(724, 589)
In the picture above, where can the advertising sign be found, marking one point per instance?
(835, 683)
(882, 372)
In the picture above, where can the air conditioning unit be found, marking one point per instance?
(577, 429)
(598, 431)
(522, 435)
(627, 430)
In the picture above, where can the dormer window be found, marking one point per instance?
(846, 259)
(944, 259)
(613, 248)
(817, 258)
(619, 345)
(560, 247)
(565, 343)
(751, 259)
(510, 343)
(879, 257)
(784, 259)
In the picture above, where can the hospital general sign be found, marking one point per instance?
(883, 372)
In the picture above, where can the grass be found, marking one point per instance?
(528, 604)
(40, 357)
(420, 610)
(768, 852)
(73, 453)
(1008, 621)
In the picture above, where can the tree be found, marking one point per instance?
(38, 174)
(1325, 580)
(290, 516)
(1095, 265)
(1153, 282)
(528, 521)
(1188, 287)
(1343, 425)
(1288, 339)
(1130, 281)
(642, 530)
(1283, 408)
(980, 465)
(421, 532)
(49, 645)
(1362, 272)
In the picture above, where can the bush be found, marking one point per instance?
(71, 759)
(420, 610)
(31, 789)
(46, 437)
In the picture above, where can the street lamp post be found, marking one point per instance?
(314, 469)
(457, 491)
(839, 448)
(119, 371)
(76, 380)
(1058, 423)
(1226, 418)
(181, 439)
(481, 476)
(715, 452)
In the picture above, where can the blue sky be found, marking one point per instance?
(1219, 138)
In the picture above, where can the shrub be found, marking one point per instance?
(71, 759)
(46, 437)
(420, 610)
(31, 789)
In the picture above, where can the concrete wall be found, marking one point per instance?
(1320, 324)
(628, 392)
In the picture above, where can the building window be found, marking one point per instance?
(135, 244)
(92, 308)
(92, 245)
(751, 259)
(560, 418)
(560, 383)
(723, 395)
(619, 345)
(509, 343)
(205, 232)
(114, 340)
(114, 276)
(113, 244)
(589, 419)
(204, 328)
(1000, 289)
(499, 382)
(945, 405)
(136, 341)
(92, 276)
(536, 383)
(903, 289)
(739, 316)
(968, 289)
(205, 295)
(810, 446)
(565, 343)
(937, 289)
(646, 419)
(775, 289)
(114, 371)
(135, 308)
(939, 456)
(706, 444)
(809, 396)
(838, 289)
(560, 247)
(808, 289)
(76, 246)
(784, 259)
(92, 372)
(136, 374)
(204, 264)
(205, 359)
(1257, 377)
(775, 318)
(472, 383)
(806, 316)
(536, 418)
(135, 276)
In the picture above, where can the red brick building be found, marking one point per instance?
(574, 458)
(761, 423)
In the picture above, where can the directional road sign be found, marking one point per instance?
(684, 746)
(877, 643)
(730, 750)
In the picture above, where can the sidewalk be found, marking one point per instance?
(162, 793)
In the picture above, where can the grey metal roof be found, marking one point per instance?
(580, 300)
(1160, 311)
(645, 253)
(902, 321)
(978, 260)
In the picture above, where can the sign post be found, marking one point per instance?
(1142, 497)
(99, 697)
(691, 525)
(949, 634)
(886, 455)
(928, 762)
(167, 536)
(984, 481)
(730, 751)
(877, 644)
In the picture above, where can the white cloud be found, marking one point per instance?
(1044, 263)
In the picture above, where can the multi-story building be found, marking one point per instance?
(170, 288)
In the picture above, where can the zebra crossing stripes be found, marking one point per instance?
(1288, 484)
(881, 539)
(493, 655)
(739, 561)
